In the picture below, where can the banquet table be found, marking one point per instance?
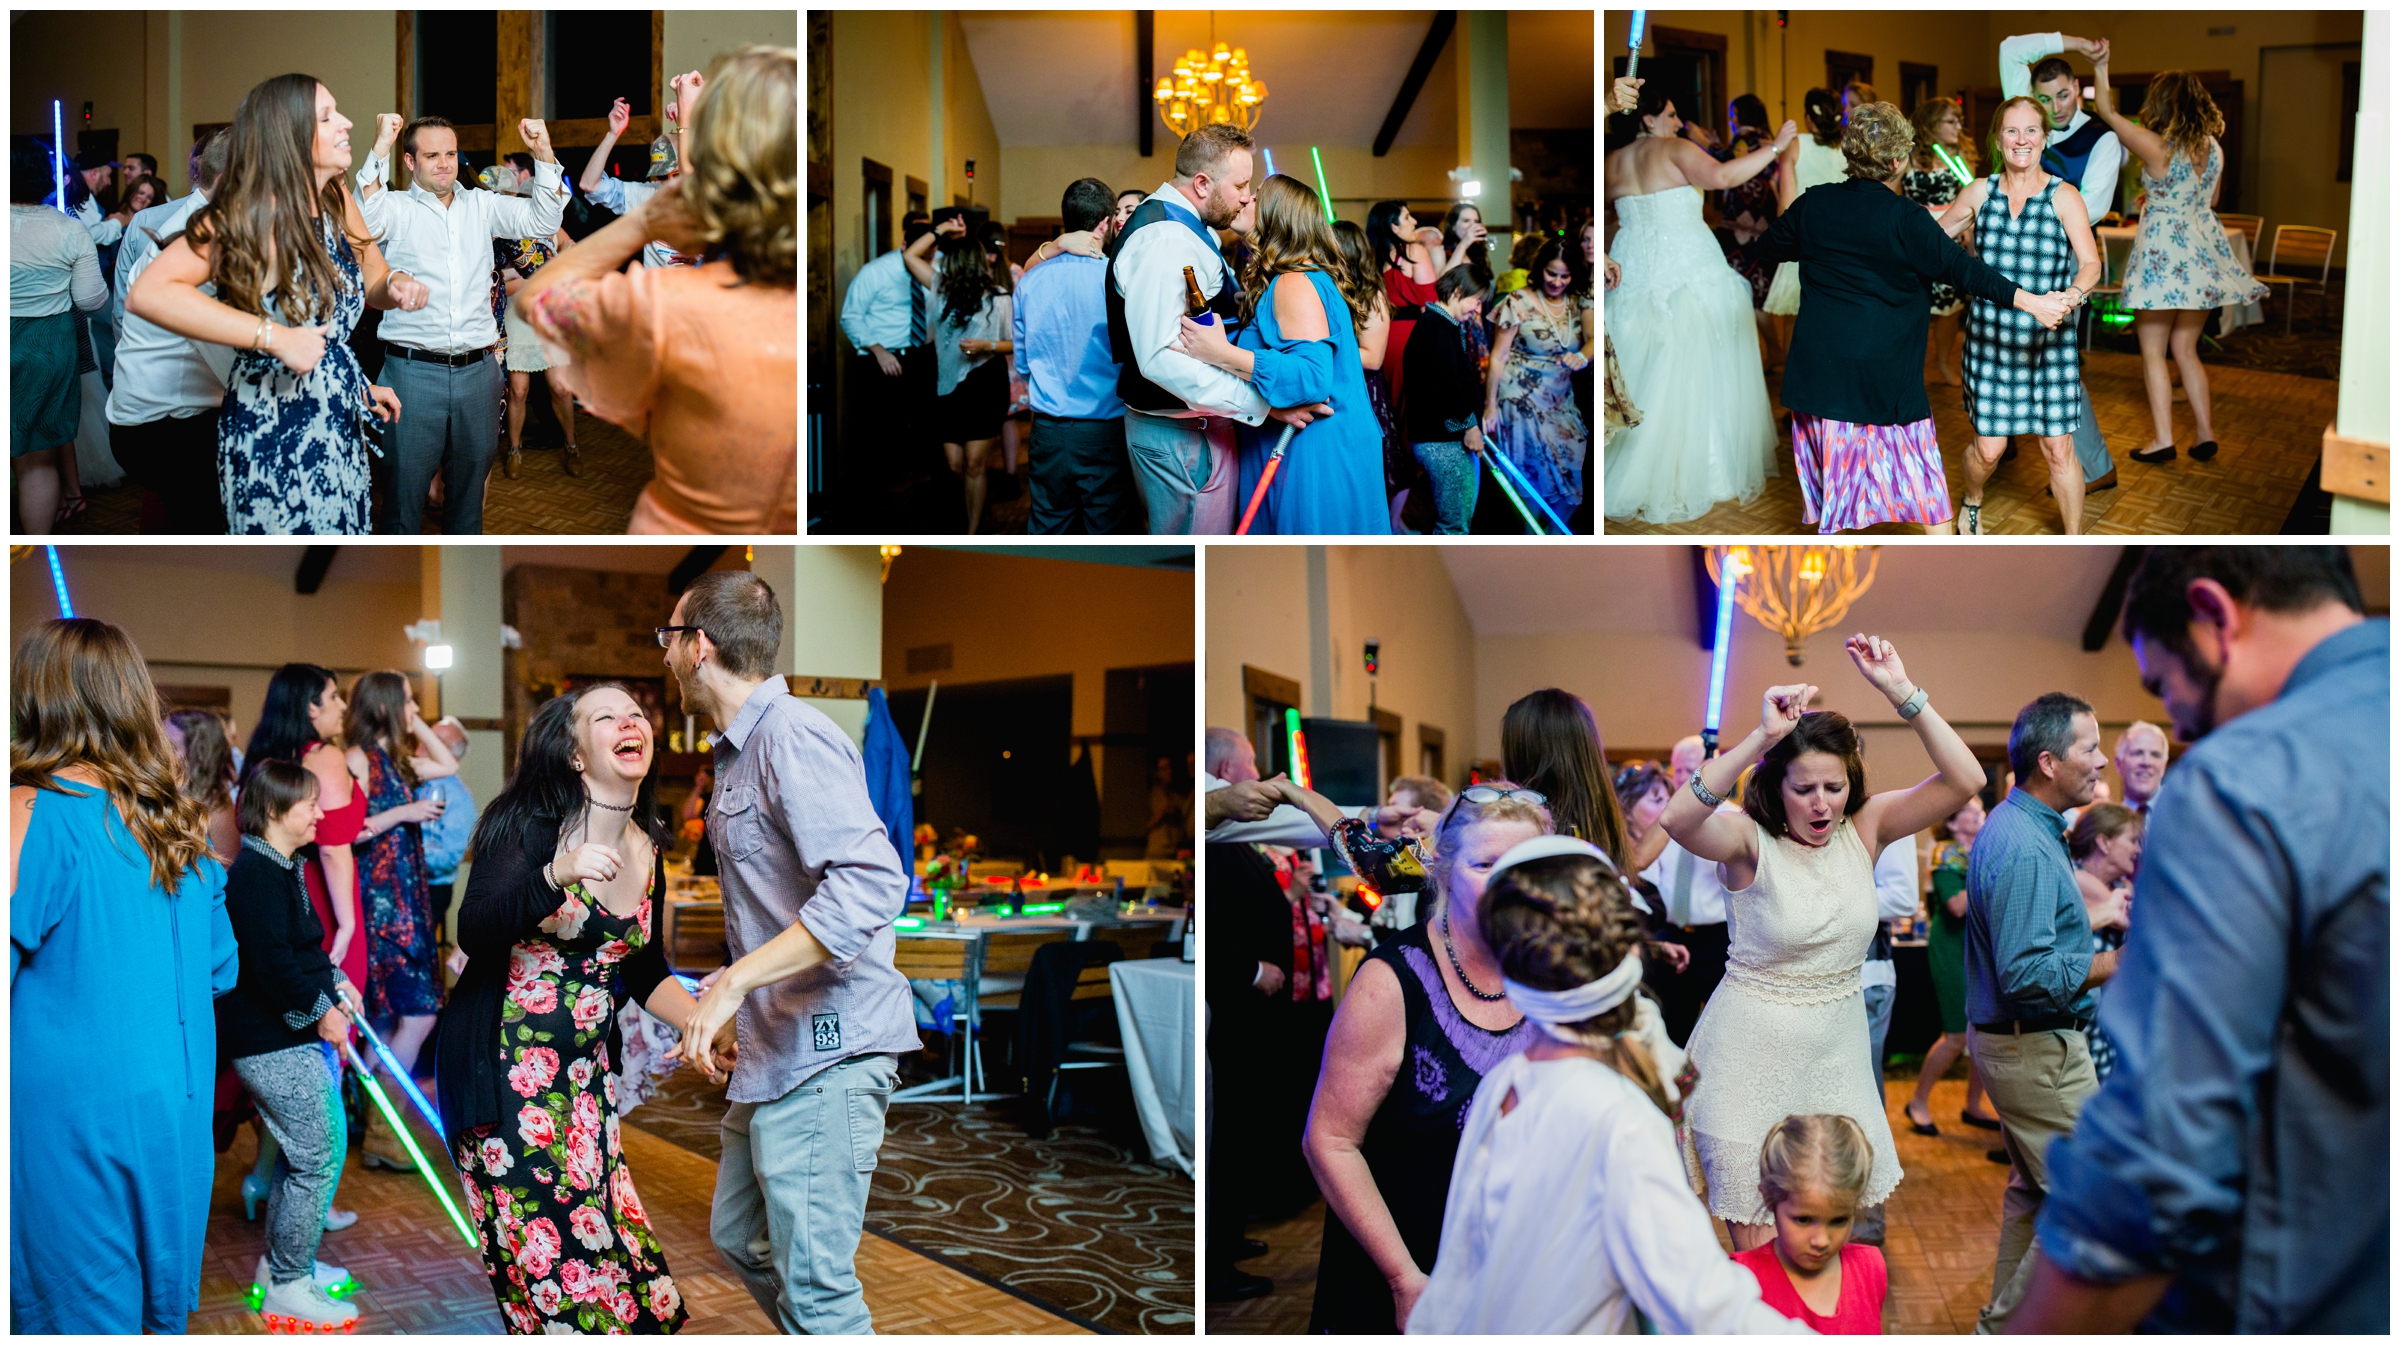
(2230, 318)
(1156, 1005)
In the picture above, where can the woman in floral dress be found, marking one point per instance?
(1529, 413)
(562, 908)
(1929, 181)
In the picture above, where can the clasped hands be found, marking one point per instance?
(2051, 309)
(708, 1039)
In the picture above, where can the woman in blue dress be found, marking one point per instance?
(115, 905)
(1298, 346)
(293, 267)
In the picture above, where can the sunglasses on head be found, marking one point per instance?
(1487, 794)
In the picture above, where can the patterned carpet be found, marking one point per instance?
(1078, 1223)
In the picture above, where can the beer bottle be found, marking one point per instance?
(1196, 306)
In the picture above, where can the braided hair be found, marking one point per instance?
(1565, 921)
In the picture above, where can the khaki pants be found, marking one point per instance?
(2038, 1083)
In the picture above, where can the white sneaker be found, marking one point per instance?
(303, 1307)
(327, 1277)
(337, 1220)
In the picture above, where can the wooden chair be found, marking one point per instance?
(2302, 246)
(2115, 253)
(1011, 955)
(2248, 226)
(1090, 984)
(1136, 940)
(945, 959)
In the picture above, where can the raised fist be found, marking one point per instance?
(620, 116)
(387, 129)
(537, 135)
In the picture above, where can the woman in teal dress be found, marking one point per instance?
(1299, 347)
(118, 948)
(1946, 962)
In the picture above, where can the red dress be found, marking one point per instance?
(1406, 295)
(340, 827)
(1858, 1312)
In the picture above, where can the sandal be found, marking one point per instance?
(68, 508)
(1970, 520)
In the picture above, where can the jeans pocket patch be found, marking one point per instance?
(868, 1104)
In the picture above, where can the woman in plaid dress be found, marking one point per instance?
(2021, 378)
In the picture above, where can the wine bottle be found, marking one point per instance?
(1195, 305)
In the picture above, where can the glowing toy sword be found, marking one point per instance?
(1324, 193)
(1633, 54)
(409, 1142)
(1727, 578)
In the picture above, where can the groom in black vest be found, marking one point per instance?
(1179, 412)
(2082, 152)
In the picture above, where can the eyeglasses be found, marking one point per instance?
(1487, 794)
(666, 635)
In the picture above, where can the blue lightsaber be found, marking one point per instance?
(1633, 55)
(1503, 463)
(407, 1085)
(58, 152)
(409, 1142)
(1726, 580)
(1270, 160)
(58, 580)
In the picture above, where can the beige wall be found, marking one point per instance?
(968, 133)
(1038, 174)
(695, 37)
(256, 618)
(882, 104)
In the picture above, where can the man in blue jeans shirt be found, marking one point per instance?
(1082, 479)
(2234, 1173)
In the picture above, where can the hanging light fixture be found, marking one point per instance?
(1210, 87)
(1794, 591)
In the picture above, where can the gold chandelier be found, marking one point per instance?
(1210, 88)
(1794, 591)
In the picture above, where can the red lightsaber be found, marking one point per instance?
(1258, 496)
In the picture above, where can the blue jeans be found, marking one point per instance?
(1457, 477)
(791, 1196)
(450, 423)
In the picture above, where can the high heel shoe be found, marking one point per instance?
(254, 1194)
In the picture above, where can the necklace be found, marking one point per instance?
(609, 806)
(1456, 966)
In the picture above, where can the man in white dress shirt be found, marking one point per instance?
(2082, 151)
(1695, 899)
(146, 228)
(1179, 412)
(97, 172)
(438, 357)
(162, 413)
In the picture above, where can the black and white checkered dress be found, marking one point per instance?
(2022, 379)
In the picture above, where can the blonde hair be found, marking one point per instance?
(1292, 235)
(1825, 1152)
(2179, 109)
(1563, 922)
(743, 162)
(1878, 137)
(1463, 813)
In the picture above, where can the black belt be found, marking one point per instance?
(429, 357)
(2055, 1022)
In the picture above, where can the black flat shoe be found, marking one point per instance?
(1926, 1127)
(2204, 450)
(2162, 453)
(1995, 1155)
(1978, 1122)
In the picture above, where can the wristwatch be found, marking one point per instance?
(1914, 705)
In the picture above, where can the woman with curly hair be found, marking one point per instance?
(1862, 428)
(1298, 345)
(972, 326)
(699, 360)
(2182, 264)
(294, 267)
(118, 946)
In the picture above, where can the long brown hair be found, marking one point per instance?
(257, 224)
(1549, 740)
(2179, 109)
(81, 696)
(207, 757)
(1929, 115)
(1292, 235)
(378, 718)
(1361, 280)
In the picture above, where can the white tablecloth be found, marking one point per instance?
(1155, 999)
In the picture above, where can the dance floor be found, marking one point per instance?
(2270, 432)
(1940, 1231)
(543, 498)
(419, 1277)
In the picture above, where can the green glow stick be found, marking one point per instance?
(409, 1142)
(1324, 193)
(1957, 168)
(1511, 492)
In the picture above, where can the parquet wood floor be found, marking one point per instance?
(420, 1277)
(1940, 1232)
(2270, 431)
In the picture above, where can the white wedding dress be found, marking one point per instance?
(1785, 1034)
(1679, 321)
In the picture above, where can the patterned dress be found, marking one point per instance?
(1755, 198)
(292, 448)
(1540, 429)
(2181, 256)
(1931, 187)
(398, 901)
(564, 1237)
(2022, 379)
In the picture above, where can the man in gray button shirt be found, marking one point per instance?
(820, 1013)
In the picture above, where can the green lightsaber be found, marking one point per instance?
(1511, 492)
(1324, 193)
(1957, 168)
(408, 1141)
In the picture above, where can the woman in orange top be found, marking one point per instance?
(701, 361)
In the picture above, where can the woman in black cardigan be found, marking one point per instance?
(1862, 430)
(277, 1026)
(560, 927)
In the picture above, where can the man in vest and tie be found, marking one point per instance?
(1179, 412)
(1695, 898)
(2083, 152)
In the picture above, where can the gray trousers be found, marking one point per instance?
(791, 1196)
(1187, 482)
(1868, 1226)
(299, 1096)
(450, 423)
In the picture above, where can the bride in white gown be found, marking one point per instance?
(1682, 330)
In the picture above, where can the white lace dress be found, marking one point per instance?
(1785, 1034)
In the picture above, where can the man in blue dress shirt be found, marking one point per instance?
(2234, 1173)
(1080, 472)
(888, 318)
(2031, 968)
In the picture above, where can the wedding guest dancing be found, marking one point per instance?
(1690, 353)
(1814, 159)
(2023, 375)
(1863, 437)
(2182, 264)
(1784, 1032)
(1930, 181)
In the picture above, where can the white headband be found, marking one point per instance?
(1554, 1009)
(1547, 847)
